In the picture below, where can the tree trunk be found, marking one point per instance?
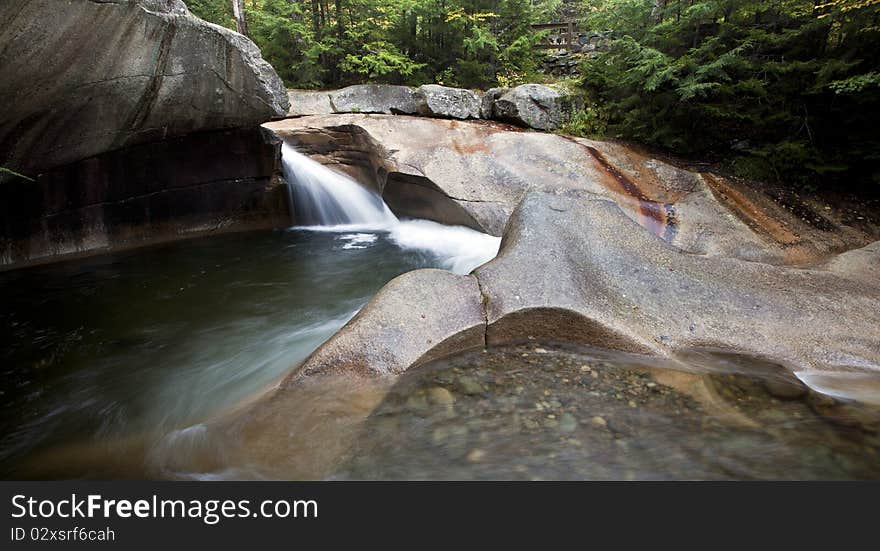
(240, 22)
(340, 27)
(316, 24)
(657, 11)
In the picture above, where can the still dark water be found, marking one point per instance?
(135, 344)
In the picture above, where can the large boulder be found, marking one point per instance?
(529, 105)
(862, 263)
(574, 267)
(374, 98)
(606, 246)
(487, 107)
(360, 98)
(83, 77)
(309, 102)
(532, 105)
(433, 100)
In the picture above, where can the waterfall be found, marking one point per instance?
(321, 197)
(324, 200)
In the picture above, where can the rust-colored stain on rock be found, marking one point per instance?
(748, 212)
(657, 217)
(467, 147)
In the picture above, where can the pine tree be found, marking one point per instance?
(786, 90)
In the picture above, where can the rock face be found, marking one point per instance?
(309, 102)
(862, 263)
(360, 98)
(206, 182)
(574, 268)
(487, 107)
(85, 77)
(449, 171)
(531, 105)
(433, 100)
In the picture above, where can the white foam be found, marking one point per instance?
(859, 386)
(459, 249)
(325, 197)
(358, 240)
(333, 202)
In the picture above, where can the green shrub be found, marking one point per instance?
(585, 122)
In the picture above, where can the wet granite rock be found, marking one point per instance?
(574, 267)
(474, 173)
(487, 107)
(515, 431)
(125, 198)
(608, 247)
(309, 102)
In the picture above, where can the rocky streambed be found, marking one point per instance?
(542, 412)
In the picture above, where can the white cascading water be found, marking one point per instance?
(324, 200)
(321, 197)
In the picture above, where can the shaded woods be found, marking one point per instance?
(328, 43)
(778, 91)
(784, 91)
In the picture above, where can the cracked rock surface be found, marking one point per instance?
(573, 268)
(84, 77)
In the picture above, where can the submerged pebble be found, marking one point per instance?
(517, 417)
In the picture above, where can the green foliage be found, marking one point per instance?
(380, 61)
(588, 122)
(788, 89)
(855, 84)
(330, 43)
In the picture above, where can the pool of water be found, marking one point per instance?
(130, 346)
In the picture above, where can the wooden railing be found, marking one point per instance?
(562, 35)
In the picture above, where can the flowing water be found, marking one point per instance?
(324, 200)
(127, 347)
(322, 197)
(159, 362)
